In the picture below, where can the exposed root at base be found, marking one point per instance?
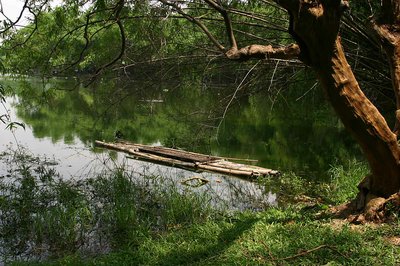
(376, 209)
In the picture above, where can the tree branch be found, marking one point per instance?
(254, 51)
(118, 9)
(291, 51)
(68, 34)
(122, 50)
(227, 20)
(197, 22)
(13, 23)
(87, 42)
(35, 22)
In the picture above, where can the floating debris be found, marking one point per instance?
(187, 160)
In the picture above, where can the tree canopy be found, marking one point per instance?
(86, 36)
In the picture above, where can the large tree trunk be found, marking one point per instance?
(394, 61)
(315, 26)
(364, 121)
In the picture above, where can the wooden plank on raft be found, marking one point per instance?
(187, 160)
(241, 169)
(171, 153)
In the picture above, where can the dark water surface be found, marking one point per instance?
(292, 131)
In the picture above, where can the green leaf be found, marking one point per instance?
(13, 125)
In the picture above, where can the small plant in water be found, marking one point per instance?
(5, 118)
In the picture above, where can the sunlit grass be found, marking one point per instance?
(118, 219)
(341, 187)
(274, 237)
(344, 181)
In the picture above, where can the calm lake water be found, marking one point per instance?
(291, 131)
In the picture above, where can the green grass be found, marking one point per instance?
(269, 238)
(341, 187)
(116, 219)
(344, 181)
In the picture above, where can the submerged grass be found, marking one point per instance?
(115, 219)
(43, 216)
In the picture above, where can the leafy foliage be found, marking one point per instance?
(6, 118)
(79, 37)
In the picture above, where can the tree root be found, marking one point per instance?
(367, 207)
(376, 209)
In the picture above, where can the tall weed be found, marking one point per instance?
(344, 181)
(341, 187)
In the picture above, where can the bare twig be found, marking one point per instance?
(227, 20)
(312, 87)
(306, 252)
(234, 96)
(197, 22)
(271, 82)
(260, 19)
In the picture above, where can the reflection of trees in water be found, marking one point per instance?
(296, 131)
(98, 113)
(288, 128)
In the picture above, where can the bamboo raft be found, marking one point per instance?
(187, 160)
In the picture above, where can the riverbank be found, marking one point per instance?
(293, 236)
(113, 219)
(274, 237)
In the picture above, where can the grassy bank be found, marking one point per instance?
(274, 237)
(117, 219)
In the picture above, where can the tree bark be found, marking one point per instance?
(363, 120)
(387, 28)
(315, 26)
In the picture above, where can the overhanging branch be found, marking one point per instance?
(227, 20)
(197, 22)
(291, 51)
(254, 51)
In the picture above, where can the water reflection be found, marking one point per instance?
(76, 160)
(295, 132)
(287, 133)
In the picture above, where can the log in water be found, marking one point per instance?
(187, 160)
